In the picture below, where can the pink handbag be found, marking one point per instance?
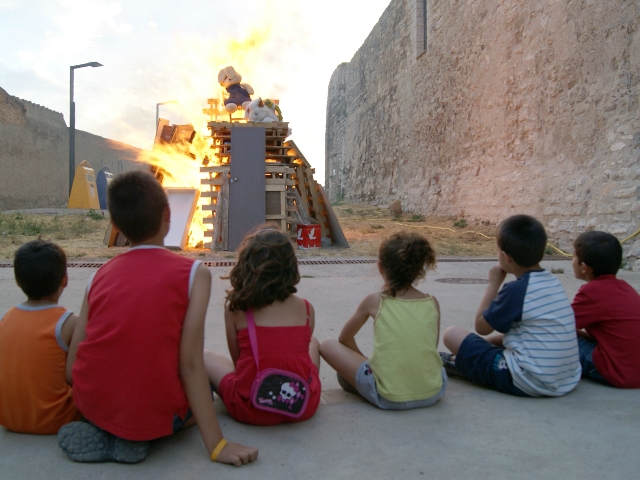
(276, 390)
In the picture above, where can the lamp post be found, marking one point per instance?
(158, 109)
(72, 121)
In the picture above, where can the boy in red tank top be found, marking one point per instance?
(34, 337)
(136, 359)
(607, 311)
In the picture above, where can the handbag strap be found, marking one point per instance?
(251, 327)
(253, 339)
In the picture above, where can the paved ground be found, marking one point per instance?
(472, 433)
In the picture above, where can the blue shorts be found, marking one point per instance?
(366, 386)
(585, 349)
(178, 422)
(483, 362)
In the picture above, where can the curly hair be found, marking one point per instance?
(405, 257)
(266, 270)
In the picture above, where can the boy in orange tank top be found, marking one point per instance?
(34, 337)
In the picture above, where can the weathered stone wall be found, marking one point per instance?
(515, 107)
(34, 155)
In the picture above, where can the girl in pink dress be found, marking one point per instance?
(262, 288)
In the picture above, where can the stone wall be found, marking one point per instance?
(515, 107)
(34, 155)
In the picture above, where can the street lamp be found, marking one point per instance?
(158, 109)
(72, 121)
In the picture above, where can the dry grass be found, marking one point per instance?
(80, 235)
(364, 227)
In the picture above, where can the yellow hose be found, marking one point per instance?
(560, 251)
(630, 236)
(565, 254)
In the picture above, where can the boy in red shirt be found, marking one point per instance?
(136, 358)
(608, 309)
(34, 337)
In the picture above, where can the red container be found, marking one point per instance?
(309, 236)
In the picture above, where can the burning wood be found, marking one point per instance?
(183, 157)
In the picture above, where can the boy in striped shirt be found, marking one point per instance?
(535, 352)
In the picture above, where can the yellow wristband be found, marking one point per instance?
(216, 451)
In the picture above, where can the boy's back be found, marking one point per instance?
(540, 343)
(536, 351)
(125, 374)
(609, 309)
(34, 394)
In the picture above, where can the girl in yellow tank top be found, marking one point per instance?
(405, 370)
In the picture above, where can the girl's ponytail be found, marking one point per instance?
(405, 258)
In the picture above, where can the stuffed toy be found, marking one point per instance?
(275, 108)
(239, 93)
(257, 111)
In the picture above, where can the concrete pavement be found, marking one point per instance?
(472, 433)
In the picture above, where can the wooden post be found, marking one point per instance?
(225, 211)
(215, 244)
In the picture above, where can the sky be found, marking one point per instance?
(155, 51)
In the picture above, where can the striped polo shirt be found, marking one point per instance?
(541, 347)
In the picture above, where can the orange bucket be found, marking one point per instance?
(309, 236)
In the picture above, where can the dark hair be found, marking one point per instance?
(599, 250)
(39, 267)
(405, 257)
(136, 203)
(523, 238)
(266, 270)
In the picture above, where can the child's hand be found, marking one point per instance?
(497, 276)
(236, 454)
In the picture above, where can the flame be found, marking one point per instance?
(183, 171)
(199, 67)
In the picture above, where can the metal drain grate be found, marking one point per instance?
(463, 281)
(231, 263)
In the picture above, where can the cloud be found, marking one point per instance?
(78, 24)
(8, 4)
(285, 49)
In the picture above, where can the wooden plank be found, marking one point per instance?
(302, 191)
(209, 194)
(317, 207)
(283, 209)
(278, 181)
(110, 235)
(215, 169)
(215, 243)
(269, 125)
(209, 208)
(294, 151)
(337, 235)
(225, 214)
(211, 181)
